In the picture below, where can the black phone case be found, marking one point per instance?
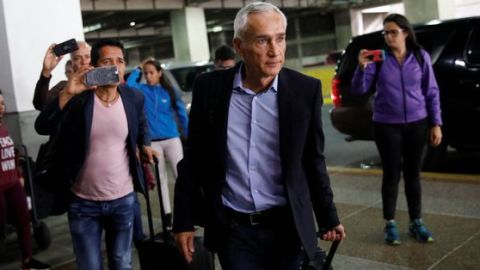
(65, 47)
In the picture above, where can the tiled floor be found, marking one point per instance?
(451, 210)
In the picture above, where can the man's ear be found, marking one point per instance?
(237, 45)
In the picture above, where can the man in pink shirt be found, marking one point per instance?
(97, 139)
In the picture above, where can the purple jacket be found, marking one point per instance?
(405, 93)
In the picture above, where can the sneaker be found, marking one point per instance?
(392, 237)
(33, 264)
(418, 230)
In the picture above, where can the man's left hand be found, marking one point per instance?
(337, 233)
(148, 153)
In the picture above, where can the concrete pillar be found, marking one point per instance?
(189, 32)
(27, 28)
(343, 28)
(427, 10)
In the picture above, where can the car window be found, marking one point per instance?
(434, 40)
(350, 60)
(473, 47)
(185, 76)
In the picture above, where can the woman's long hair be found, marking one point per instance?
(404, 24)
(164, 82)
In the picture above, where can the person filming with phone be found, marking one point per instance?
(102, 125)
(79, 58)
(406, 112)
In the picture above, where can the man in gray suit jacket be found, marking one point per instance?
(254, 156)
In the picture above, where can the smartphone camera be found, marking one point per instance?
(65, 47)
(102, 76)
(374, 55)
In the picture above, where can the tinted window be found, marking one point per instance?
(186, 76)
(473, 48)
(350, 60)
(434, 40)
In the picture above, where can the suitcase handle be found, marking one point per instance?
(331, 253)
(163, 216)
(149, 209)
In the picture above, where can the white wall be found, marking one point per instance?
(369, 20)
(27, 28)
(467, 8)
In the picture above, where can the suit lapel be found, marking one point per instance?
(128, 106)
(88, 113)
(225, 95)
(285, 108)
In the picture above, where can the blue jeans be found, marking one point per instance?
(87, 219)
(138, 234)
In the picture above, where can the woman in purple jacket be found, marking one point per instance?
(406, 111)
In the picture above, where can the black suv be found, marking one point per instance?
(454, 47)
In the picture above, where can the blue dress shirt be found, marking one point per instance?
(254, 172)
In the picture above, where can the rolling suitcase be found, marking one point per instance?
(160, 251)
(321, 261)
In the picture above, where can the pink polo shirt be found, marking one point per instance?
(106, 174)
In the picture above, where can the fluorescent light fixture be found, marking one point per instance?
(91, 28)
(433, 22)
(216, 29)
(380, 9)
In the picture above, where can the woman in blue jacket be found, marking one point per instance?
(162, 108)
(406, 111)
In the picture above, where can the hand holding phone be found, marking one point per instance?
(102, 76)
(373, 55)
(65, 47)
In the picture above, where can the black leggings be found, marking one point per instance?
(401, 144)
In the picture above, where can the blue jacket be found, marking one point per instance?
(158, 109)
(405, 93)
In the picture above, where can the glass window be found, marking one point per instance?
(292, 51)
(434, 40)
(316, 24)
(318, 47)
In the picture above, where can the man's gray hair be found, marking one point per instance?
(255, 7)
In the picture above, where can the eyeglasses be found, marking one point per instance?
(393, 32)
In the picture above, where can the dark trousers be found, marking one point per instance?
(13, 203)
(401, 147)
(270, 245)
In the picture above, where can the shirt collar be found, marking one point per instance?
(238, 82)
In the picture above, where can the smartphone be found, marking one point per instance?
(374, 55)
(65, 47)
(102, 76)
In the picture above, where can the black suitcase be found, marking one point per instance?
(160, 251)
(322, 261)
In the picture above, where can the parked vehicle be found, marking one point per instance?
(454, 47)
(184, 75)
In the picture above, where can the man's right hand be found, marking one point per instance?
(50, 61)
(75, 85)
(185, 244)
